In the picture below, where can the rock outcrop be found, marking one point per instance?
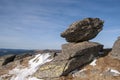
(83, 30)
(115, 53)
(73, 56)
(6, 59)
(77, 53)
(106, 68)
(80, 58)
(21, 56)
(70, 50)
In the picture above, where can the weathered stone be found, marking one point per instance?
(51, 69)
(21, 56)
(74, 55)
(53, 54)
(78, 49)
(6, 59)
(83, 30)
(64, 67)
(104, 52)
(77, 62)
(115, 53)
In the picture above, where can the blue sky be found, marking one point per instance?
(37, 24)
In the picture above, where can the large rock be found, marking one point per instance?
(51, 70)
(73, 56)
(70, 50)
(21, 56)
(6, 59)
(115, 53)
(61, 67)
(83, 30)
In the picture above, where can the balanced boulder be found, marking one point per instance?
(77, 52)
(83, 30)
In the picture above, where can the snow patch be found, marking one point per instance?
(115, 72)
(82, 70)
(93, 63)
(112, 72)
(34, 64)
(33, 78)
(77, 73)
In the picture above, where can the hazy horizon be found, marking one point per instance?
(37, 24)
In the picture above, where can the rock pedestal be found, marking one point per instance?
(73, 56)
(71, 50)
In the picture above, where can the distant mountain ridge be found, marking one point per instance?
(14, 51)
(4, 51)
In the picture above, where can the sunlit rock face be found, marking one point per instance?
(115, 53)
(73, 56)
(70, 50)
(83, 30)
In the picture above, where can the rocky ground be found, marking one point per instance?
(105, 68)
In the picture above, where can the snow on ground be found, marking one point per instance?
(82, 70)
(77, 72)
(25, 73)
(93, 63)
(115, 72)
(112, 72)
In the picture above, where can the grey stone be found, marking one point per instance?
(83, 30)
(115, 53)
(74, 55)
(6, 59)
(78, 49)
